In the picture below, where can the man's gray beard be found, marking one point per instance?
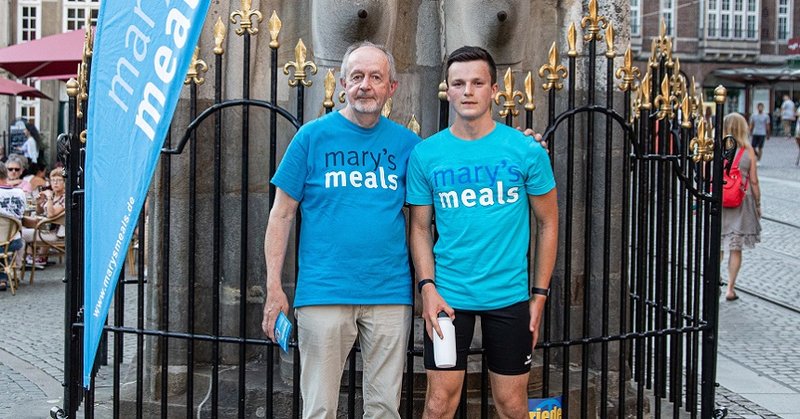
(362, 108)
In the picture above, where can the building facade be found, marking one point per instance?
(713, 35)
(27, 20)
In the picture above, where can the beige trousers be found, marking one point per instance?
(325, 336)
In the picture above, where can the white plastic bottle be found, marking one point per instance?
(444, 349)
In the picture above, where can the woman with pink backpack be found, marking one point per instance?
(741, 210)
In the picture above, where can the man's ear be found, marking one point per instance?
(392, 87)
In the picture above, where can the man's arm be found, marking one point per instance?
(545, 209)
(276, 240)
(421, 243)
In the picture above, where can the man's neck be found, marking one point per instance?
(363, 120)
(472, 129)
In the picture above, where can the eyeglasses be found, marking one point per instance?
(57, 180)
(14, 169)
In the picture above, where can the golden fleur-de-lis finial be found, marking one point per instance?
(594, 23)
(83, 92)
(610, 51)
(442, 95)
(686, 114)
(652, 61)
(529, 104)
(274, 25)
(219, 37)
(509, 95)
(702, 146)
(628, 73)
(645, 90)
(246, 16)
(413, 125)
(330, 86)
(300, 64)
(387, 108)
(694, 101)
(88, 41)
(665, 101)
(666, 49)
(662, 46)
(553, 70)
(635, 106)
(196, 66)
(571, 41)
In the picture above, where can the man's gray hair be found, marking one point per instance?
(353, 47)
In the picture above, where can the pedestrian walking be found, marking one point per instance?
(759, 129)
(741, 225)
(788, 116)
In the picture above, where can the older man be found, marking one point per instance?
(12, 205)
(346, 171)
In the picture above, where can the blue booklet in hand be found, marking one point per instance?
(283, 329)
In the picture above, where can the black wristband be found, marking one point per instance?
(541, 291)
(422, 283)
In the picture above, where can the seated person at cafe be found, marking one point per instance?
(33, 182)
(15, 166)
(12, 204)
(50, 204)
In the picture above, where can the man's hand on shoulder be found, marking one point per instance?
(537, 136)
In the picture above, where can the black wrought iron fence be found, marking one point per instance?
(630, 329)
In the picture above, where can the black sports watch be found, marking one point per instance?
(541, 291)
(424, 282)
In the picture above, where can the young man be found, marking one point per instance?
(346, 171)
(475, 177)
(759, 129)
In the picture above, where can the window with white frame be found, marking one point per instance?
(784, 20)
(669, 15)
(732, 19)
(28, 109)
(76, 12)
(29, 27)
(29, 20)
(636, 18)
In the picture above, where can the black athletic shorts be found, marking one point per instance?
(507, 339)
(758, 141)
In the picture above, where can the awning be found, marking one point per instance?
(758, 75)
(56, 55)
(12, 88)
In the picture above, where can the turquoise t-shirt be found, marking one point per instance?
(479, 191)
(350, 183)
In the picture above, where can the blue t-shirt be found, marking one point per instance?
(479, 191)
(350, 182)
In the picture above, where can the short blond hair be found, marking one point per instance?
(58, 171)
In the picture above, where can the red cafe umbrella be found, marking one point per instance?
(12, 88)
(55, 55)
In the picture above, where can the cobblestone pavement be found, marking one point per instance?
(757, 335)
(31, 346)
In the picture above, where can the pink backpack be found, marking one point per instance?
(734, 185)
